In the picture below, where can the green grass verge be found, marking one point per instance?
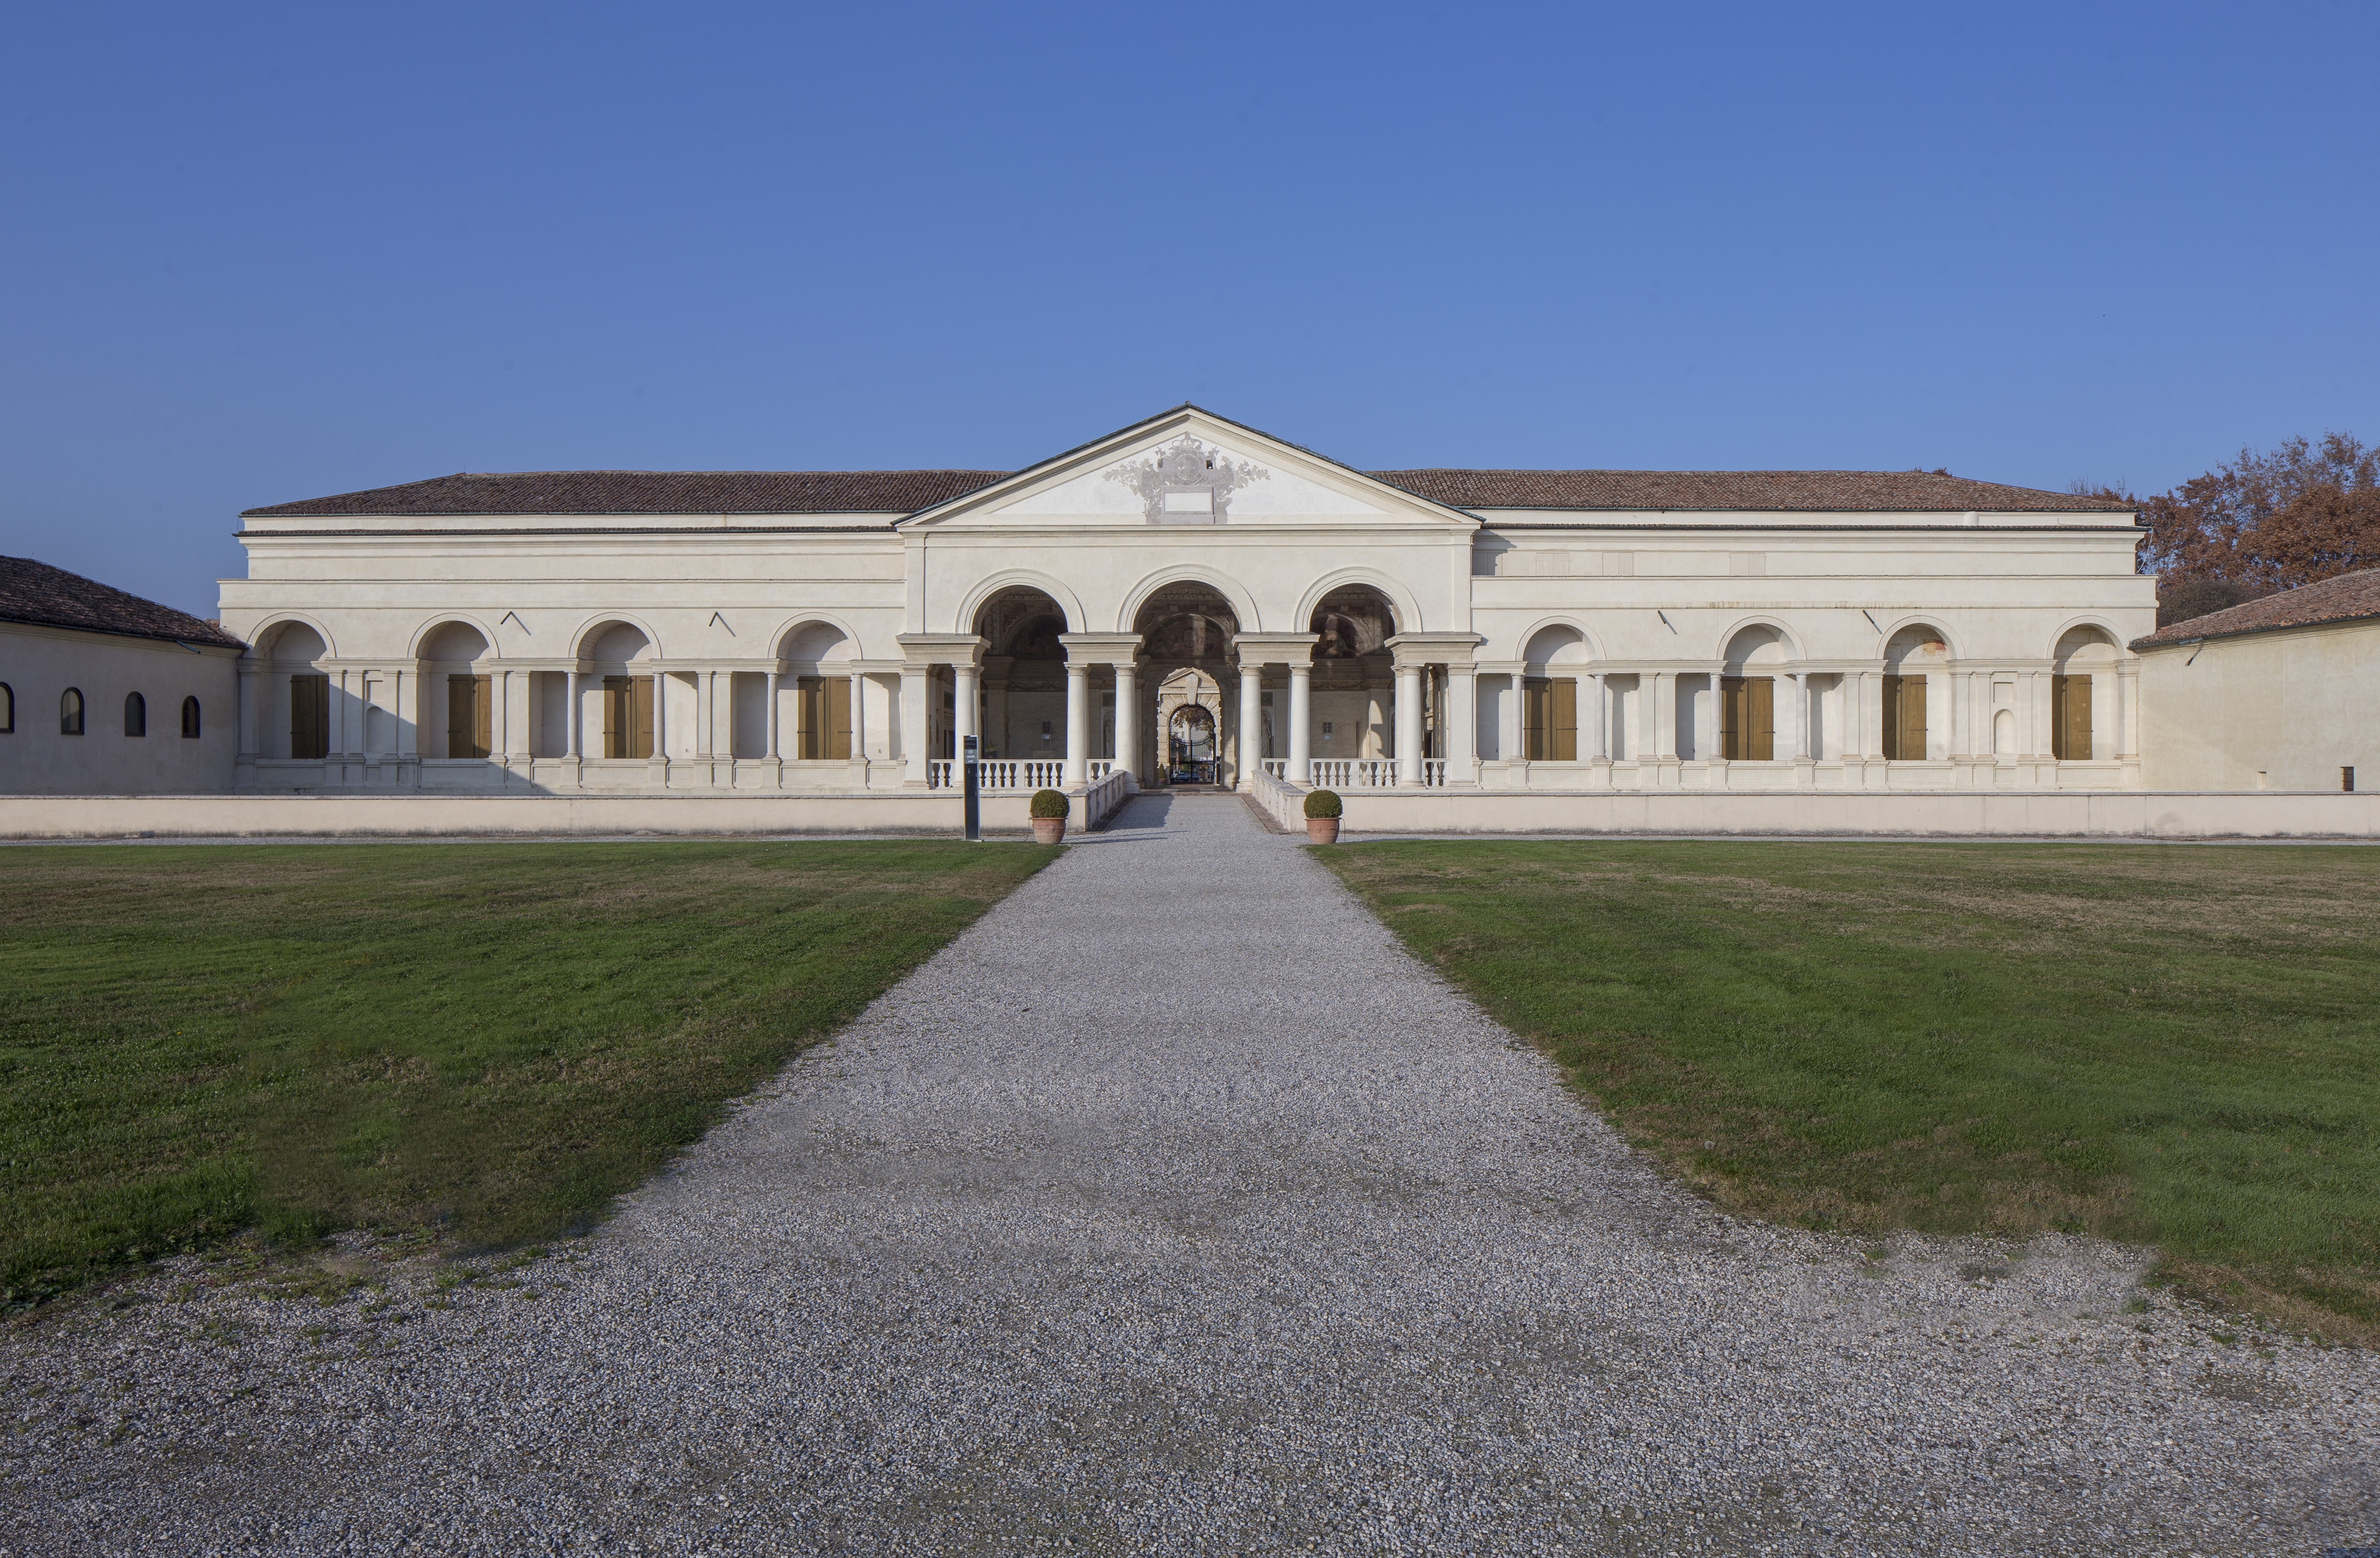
(494, 1039)
(2169, 1044)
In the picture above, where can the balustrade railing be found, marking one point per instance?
(1433, 772)
(1354, 773)
(1006, 773)
(1277, 767)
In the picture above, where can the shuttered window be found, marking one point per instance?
(1904, 719)
(2069, 718)
(822, 709)
(1747, 719)
(136, 714)
(190, 719)
(1549, 719)
(467, 723)
(309, 716)
(627, 716)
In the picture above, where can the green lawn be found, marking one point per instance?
(492, 1039)
(2179, 1045)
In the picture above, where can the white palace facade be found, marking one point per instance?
(1188, 601)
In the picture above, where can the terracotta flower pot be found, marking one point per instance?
(1048, 830)
(1322, 830)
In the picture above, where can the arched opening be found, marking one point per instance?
(621, 707)
(1550, 700)
(70, 711)
(457, 714)
(1191, 748)
(1353, 710)
(1748, 694)
(1021, 695)
(7, 710)
(1187, 630)
(817, 700)
(1914, 658)
(298, 694)
(2082, 689)
(136, 714)
(190, 719)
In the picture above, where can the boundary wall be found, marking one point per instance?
(1942, 814)
(1948, 814)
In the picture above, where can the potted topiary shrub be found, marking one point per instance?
(1323, 808)
(1049, 813)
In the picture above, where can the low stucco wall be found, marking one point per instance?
(2131, 814)
(1952, 813)
(237, 816)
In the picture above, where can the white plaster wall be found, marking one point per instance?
(40, 664)
(2284, 711)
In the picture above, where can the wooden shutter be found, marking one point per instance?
(1535, 696)
(1735, 721)
(627, 716)
(1760, 719)
(640, 716)
(468, 705)
(1904, 718)
(309, 716)
(838, 718)
(2069, 718)
(1561, 712)
(808, 697)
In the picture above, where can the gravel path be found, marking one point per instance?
(1174, 1208)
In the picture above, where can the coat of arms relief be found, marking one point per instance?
(1187, 484)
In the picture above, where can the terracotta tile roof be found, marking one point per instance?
(2348, 598)
(905, 491)
(36, 593)
(654, 492)
(1821, 491)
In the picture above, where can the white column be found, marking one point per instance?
(776, 738)
(1127, 676)
(1463, 724)
(1800, 680)
(1251, 723)
(1662, 717)
(1601, 751)
(1301, 723)
(1078, 725)
(705, 714)
(964, 706)
(408, 686)
(570, 715)
(913, 724)
(1707, 721)
(858, 720)
(1408, 724)
(661, 722)
(1508, 719)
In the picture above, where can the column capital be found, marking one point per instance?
(939, 648)
(1434, 649)
(1268, 648)
(1100, 649)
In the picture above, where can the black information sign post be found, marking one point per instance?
(973, 794)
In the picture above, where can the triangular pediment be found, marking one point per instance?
(1188, 467)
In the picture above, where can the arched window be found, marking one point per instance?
(190, 719)
(136, 714)
(7, 710)
(71, 713)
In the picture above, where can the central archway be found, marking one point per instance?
(1187, 630)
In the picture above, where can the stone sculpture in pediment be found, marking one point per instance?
(1187, 484)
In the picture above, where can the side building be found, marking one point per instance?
(2272, 695)
(103, 693)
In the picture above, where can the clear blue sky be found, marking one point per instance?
(258, 255)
